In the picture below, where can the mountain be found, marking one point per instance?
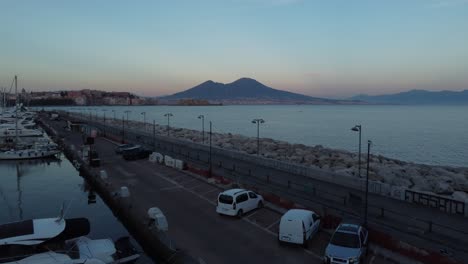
(418, 97)
(245, 90)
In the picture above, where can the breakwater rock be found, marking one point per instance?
(442, 180)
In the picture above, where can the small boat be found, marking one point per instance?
(105, 250)
(25, 237)
(53, 258)
(35, 152)
(36, 231)
(82, 250)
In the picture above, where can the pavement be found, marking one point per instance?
(189, 203)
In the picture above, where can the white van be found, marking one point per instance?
(298, 226)
(238, 202)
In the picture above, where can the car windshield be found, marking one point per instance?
(345, 240)
(226, 199)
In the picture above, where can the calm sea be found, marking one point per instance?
(423, 134)
(38, 188)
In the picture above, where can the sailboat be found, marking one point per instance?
(20, 150)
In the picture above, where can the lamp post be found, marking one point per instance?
(104, 114)
(144, 119)
(123, 129)
(209, 171)
(168, 115)
(369, 143)
(358, 128)
(127, 112)
(258, 121)
(202, 117)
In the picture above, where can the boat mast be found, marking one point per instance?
(16, 109)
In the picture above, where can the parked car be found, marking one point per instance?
(347, 245)
(236, 202)
(135, 153)
(298, 226)
(120, 148)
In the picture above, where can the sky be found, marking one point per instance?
(329, 48)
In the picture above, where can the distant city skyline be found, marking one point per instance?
(331, 49)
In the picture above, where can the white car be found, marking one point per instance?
(236, 202)
(298, 226)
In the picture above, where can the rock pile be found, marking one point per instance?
(442, 180)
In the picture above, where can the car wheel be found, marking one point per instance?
(240, 213)
(260, 204)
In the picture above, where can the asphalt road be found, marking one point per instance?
(189, 205)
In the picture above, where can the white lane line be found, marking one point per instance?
(254, 213)
(170, 188)
(273, 224)
(313, 254)
(188, 190)
(259, 226)
(244, 218)
(372, 260)
(196, 186)
(210, 191)
(189, 181)
(167, 179)
(111, 141)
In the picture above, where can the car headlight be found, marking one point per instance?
(353, 260)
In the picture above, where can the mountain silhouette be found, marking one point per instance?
(418, 97)
(243, 89)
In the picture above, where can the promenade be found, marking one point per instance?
(173, 190)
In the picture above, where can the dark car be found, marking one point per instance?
(136, 153)
(120, 148)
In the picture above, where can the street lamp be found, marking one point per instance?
(211, 167)
(144, 119)
(127, 112)
(369, 143)
(168, 115)
(202, 117)
(358, 128)
(104, 114)
(258, 121)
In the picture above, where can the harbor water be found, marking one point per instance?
(38, 189)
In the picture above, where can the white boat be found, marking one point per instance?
(34, 232)
(53, 258)
(12, 132)
(82, 250)
(35, 152)
(105, 250)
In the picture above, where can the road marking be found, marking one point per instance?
(170, 188)
(111, 141)
(124, 172)
(372, 260)
(210, 191)
(313, 254)
(254, 213)
(198, 185)
(244, 218)
(188, 190)
(189, 181)
(167, 179)
(274, 223)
